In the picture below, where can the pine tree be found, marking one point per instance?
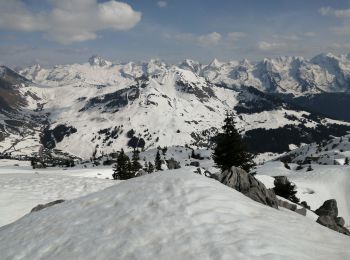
(158, 162)
(230, 150)
(286, 190)
(122, 170)
(346, 161)
(150, 168)
(135, 165)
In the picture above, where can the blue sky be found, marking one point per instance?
(68, 31)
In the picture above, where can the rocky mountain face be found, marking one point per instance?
(334, 151)
(20, 121)
(99, 107)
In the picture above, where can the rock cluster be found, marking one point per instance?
(328, 217)
(245, 183)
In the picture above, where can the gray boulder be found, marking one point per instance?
(195, 163)
(245, 183)
(329, 208)
(43, 206)
(291, 206)
(172, 164)
(331, 223)
(287, 205)
(340, 221)
(301, 211)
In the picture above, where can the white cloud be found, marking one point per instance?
(162, 4)
(343, 14)
(309, 34)
(210, 39)
(271, 46)
(205, 40)
(235, 36)
(340, 13)
(69, 20)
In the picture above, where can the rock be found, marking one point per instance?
(43, 206)
(301, 211)
(287, 205)
(329, 208)
(172, 164)
(331, 223)
(245, 183)
(340, 221)
(291, 206)
(195, 164)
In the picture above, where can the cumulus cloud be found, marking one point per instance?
(162, 4)
(69, 21)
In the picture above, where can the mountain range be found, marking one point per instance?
(99, 107)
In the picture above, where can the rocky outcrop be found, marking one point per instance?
(328, 217)
(245, 183)
(292, 207)
(329, 208)
(43, 206)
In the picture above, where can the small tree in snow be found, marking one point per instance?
(123, 168)
(150, 168)
(230, 150)
(158, 162)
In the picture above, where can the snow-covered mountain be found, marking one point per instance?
(329, 152)
(99, 107)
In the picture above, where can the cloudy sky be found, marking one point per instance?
(68, 31)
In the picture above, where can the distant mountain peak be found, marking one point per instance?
(96, 60)
(215, 63)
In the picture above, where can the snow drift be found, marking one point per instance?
(173, 215)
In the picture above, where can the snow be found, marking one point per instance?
(174, 215)
(336, 149)
(22, 188)
(315, 187)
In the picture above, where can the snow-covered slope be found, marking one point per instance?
(175, 215)
(22, 188)
(332, 152)
(324, 182)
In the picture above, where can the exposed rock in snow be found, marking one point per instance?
(328, 208)
(244, 182)
(43, 206)
(98, 61)
(168, 216)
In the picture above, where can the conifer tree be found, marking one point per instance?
(158, 162)
(135, 165)
(150, 168)
(230, 150)
(122, 170)
(346, 161)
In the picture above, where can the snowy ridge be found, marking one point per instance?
(331, 152)
(207, 219)
(324, 182)
(295, 75)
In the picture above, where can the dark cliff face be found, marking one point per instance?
(10, 97)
